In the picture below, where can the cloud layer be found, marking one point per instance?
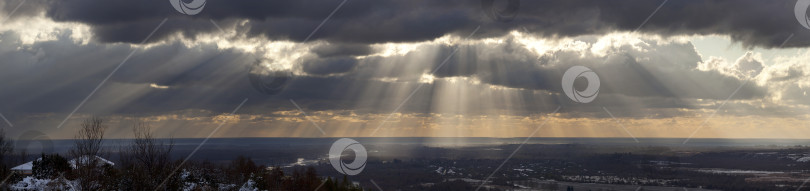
(369, 59)
(751, 22)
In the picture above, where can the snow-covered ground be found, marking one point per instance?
(803, 159)
(31, 183)
(736, 171)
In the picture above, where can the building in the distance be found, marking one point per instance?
(27, 168)
(24, 169)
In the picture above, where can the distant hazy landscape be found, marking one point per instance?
(415, 163)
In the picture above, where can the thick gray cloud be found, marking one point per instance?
(752, 22)
(48, 76)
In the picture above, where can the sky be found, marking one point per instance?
(416, 68)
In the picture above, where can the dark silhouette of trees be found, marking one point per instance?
(147, 163)
(243, 169)
(6, 149)
(50, 166)
(273, 179)
(457, 185)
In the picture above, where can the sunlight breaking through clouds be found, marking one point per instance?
(499, 83)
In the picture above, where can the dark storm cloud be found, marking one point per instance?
(752, 22)
(329, 50)
(54, 76)
(326, 66)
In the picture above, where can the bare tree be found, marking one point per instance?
(147, 159)
(87, 147)
(150, 152)
(88, 141)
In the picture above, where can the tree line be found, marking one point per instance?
(146, 164)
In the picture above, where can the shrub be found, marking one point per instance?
(50, 166)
